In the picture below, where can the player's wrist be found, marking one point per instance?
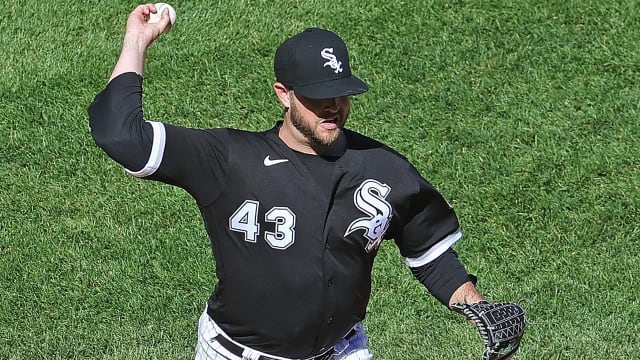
(135, 43)
(467, 293)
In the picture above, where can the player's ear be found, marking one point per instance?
(282, 92)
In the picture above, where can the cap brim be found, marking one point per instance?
(333, 88)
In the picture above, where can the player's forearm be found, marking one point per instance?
(132, 56)
(443, 276)
(466, 293)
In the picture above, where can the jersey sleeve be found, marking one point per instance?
(192, 159)
(431, 226)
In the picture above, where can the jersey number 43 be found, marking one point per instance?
(245, 220)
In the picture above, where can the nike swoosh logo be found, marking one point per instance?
(269, 162)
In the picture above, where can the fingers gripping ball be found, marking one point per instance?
(501, 326)
(160, 7)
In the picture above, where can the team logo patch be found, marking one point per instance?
(370, 199)
(327, 54)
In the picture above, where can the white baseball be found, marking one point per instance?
(155, 18)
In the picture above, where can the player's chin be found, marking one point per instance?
(327, 137)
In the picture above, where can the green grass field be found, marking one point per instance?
(525, 114)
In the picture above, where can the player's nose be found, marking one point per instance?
(331, 104)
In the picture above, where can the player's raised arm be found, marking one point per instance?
(140, 33)
(115, 116)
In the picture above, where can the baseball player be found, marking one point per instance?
(295, 213)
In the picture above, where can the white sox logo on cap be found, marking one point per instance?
(327, 54)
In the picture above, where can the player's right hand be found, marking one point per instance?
(140, 30)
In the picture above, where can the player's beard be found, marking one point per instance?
(312, 131)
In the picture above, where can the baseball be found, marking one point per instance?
(154, 18)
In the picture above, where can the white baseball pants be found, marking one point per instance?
(353, 348)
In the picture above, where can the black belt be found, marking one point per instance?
(238, 350)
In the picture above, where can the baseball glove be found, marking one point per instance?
(501, 326)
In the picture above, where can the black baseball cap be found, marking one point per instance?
(315, 63)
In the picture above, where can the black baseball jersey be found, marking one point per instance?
(293, 251)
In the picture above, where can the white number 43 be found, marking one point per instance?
(245, 220)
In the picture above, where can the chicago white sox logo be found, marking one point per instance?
(370, 199)
(327, 54)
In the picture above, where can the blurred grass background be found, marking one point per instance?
(524, 114)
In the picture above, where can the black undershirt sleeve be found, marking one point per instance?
(117, 124)
(443, 276)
